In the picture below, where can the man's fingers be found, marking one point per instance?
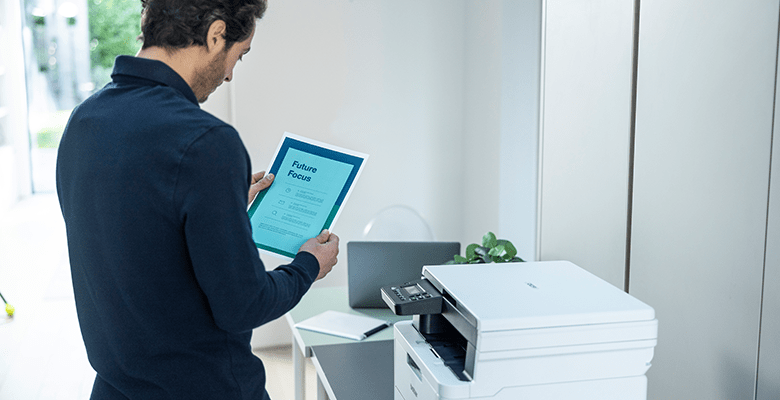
(260, 181)
(323, 236)
(257, 176)
(326, 237)
(260, 184)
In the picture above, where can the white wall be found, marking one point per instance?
(428, 89)
(586, 122)
(481, 119)
(416, 85)
(521, 44)
(501, 121)
(383, 78)
(443, 95)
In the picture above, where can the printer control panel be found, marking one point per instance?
(411, 298)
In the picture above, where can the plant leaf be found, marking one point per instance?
(511, 251)
(481, 251)
(489, 240)
(458, 259)
(470, 254)
(497, 251)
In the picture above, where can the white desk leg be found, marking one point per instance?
(299, 371)
(321, 393)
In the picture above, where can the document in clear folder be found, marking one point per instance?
(313, 181)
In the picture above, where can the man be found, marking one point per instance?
(167, 280)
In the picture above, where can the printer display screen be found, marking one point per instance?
(412, 290)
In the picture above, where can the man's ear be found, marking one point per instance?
(215, 38)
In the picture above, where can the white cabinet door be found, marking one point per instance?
(705, 93)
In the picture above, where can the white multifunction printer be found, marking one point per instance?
(536, 330)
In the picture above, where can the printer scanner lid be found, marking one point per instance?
(527, 295)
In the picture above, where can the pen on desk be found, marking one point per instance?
(375, 330)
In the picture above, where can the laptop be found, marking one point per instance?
(372, 265)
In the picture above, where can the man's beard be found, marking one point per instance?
(207, 80)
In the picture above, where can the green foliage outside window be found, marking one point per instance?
(114, 26)
(49, 136)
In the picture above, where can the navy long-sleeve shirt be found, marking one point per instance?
(167, 279)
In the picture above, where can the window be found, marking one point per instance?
(70, 46)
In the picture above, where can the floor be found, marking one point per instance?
(42, 355)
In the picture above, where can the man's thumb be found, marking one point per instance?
(323, 236)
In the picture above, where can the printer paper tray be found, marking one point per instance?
(632, 388)
(497, 370)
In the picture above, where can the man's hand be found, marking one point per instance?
(259, 182)
(325, 247)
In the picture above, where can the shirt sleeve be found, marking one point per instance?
(212, 186)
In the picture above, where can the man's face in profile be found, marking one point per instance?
(219, 69)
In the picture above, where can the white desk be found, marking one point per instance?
(315, 302)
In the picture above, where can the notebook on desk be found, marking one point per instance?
(372, 265)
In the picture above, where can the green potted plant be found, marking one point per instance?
(492, 250)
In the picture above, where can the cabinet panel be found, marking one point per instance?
(703, 133)
(769, 350)
(586, 121)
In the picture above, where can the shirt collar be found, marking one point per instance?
(152, 70)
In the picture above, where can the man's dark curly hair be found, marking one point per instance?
(176, 24)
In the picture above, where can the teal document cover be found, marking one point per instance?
(313, 182)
